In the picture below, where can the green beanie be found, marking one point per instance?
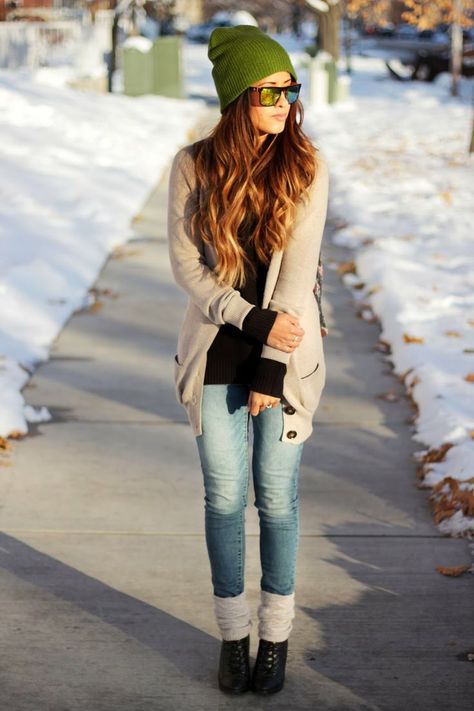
(241, 56)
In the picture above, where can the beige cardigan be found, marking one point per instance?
(288, 288)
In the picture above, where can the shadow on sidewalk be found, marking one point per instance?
(158, 630)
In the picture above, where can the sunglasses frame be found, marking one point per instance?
(256, 94)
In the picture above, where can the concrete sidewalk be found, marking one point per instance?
(105, 584)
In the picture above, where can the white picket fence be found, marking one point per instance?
(39, 44)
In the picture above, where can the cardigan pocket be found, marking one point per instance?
(303, 377)
(178, 379)
(311, 386)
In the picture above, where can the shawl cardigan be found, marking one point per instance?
(289, 285)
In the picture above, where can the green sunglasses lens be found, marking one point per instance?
(269, 96)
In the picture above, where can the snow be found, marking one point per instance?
(143, 44)
(78, 166)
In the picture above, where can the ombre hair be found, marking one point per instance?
(250, 190)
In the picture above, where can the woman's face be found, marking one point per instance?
(271, 119)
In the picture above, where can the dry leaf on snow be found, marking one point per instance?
(412, 339)
(447, 196)
(346, 267)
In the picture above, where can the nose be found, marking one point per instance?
(282, 101)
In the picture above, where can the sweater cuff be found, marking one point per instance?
(268, 377)
(259, 322)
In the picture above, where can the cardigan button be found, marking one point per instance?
(291, 434)
(289, 410)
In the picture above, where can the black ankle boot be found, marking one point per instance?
(269, 671)
(234, 666)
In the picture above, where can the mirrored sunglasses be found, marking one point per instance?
(270, 95)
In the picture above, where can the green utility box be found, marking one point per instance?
(157, 71)
(326, 86)
(167, 67)
(137, 72)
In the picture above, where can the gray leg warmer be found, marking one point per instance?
(232, 616)
(275, 615)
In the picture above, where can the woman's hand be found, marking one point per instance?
(286, 333)
(258, 402)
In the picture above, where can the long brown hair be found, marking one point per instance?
(244, 187)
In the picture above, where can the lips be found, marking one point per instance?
(280, 116)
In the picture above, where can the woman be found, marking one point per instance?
(247, 207)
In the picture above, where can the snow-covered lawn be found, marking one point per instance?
(402, 190)
(76, 167)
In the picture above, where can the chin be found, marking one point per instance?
(278, 128)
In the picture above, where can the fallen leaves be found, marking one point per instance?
(434, 454)
(94, 307)
(383, 347)
(412, 339)
(97, 293)
(122, 252)
(346, 267)
(449, 497)
(4, 444)
(447, 196)
(453, 334)
(96, 296)
(452, 570)
(5, 449)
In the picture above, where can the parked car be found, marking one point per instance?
(405, 31)
(202, 32)
(429, 63)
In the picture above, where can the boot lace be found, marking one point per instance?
(237, 656)
(269, 658)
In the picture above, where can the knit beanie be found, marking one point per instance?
(241, 56)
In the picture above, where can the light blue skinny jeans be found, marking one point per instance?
(224, 453)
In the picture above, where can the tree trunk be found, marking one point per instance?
(328, 23)
(456, 49)
(113, 52)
